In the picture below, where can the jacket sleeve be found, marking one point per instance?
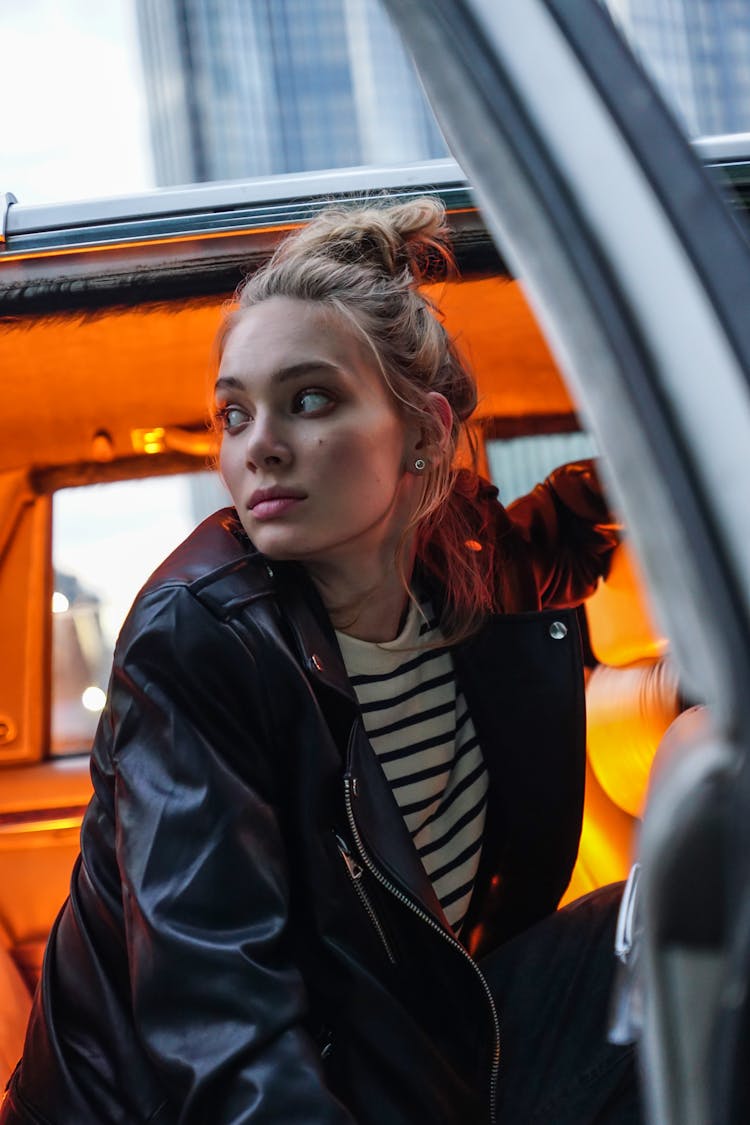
(569, 534)
(218, 1003)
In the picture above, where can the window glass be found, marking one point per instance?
(517, 464)
(107, 539)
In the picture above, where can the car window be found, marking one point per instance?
(107, 539)
(516, 464)
(640, 277)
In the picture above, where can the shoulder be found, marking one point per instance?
(205, 583)
(214, 552)
(217, 564)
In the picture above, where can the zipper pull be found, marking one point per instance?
(350, 784)
(625, 933)
(355, 869)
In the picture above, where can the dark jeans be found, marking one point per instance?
(552, 985)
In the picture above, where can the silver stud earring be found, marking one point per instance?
(420, 465)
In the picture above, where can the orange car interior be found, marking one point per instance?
(122, 393)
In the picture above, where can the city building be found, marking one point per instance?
(698, 51)
(239, 89)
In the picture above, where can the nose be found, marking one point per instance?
(265, 445)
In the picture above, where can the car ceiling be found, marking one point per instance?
(66, 377)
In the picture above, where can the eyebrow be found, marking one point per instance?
(283, 375)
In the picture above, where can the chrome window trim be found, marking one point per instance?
(239, 205)
(723, 148)
(229, 206)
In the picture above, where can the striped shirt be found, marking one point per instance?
(421, 731)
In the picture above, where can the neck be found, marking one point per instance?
(367, 602)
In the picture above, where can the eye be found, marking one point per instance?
(311, 401)
(232, 418)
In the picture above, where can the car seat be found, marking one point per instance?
(632, 695)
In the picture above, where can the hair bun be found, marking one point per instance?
(389, 237)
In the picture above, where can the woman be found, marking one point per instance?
(341, 761)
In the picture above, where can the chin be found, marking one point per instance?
(280, 547)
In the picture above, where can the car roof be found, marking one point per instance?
(109, 310)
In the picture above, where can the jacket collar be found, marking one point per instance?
(313, 632)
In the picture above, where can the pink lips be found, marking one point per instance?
(269, 503)
(269, 509)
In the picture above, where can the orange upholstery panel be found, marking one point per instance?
(604, 854)
(628, 711)
(25, 593)
(631, 698)
(41, 808)
(15, 1004)
(621, 624)
(42, 861)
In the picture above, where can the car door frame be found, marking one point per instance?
(640, 277)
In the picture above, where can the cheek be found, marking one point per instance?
(228, 465)
(362, 465)
(223, 461)
(352, 462)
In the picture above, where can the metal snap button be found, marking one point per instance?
(558, 630)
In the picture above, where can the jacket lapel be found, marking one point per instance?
(313, 633)
(377, 815)
(382, 827)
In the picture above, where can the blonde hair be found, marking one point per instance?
(365, 263)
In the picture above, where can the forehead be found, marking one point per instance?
(283, 332)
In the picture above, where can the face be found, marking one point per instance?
(314, 451)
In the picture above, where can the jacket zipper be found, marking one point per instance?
(355, 874)
(350, 789)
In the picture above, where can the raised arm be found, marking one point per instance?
(569, 533)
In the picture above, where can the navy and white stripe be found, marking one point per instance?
(421, 730)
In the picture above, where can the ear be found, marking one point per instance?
(426, 445)
(444, 412)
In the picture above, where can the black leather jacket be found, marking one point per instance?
(250, 935)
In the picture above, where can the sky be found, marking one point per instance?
(74, 114)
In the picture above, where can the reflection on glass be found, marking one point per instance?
(107, 540)
(159, 92)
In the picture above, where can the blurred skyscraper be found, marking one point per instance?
(698, 51)
(241, 88)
